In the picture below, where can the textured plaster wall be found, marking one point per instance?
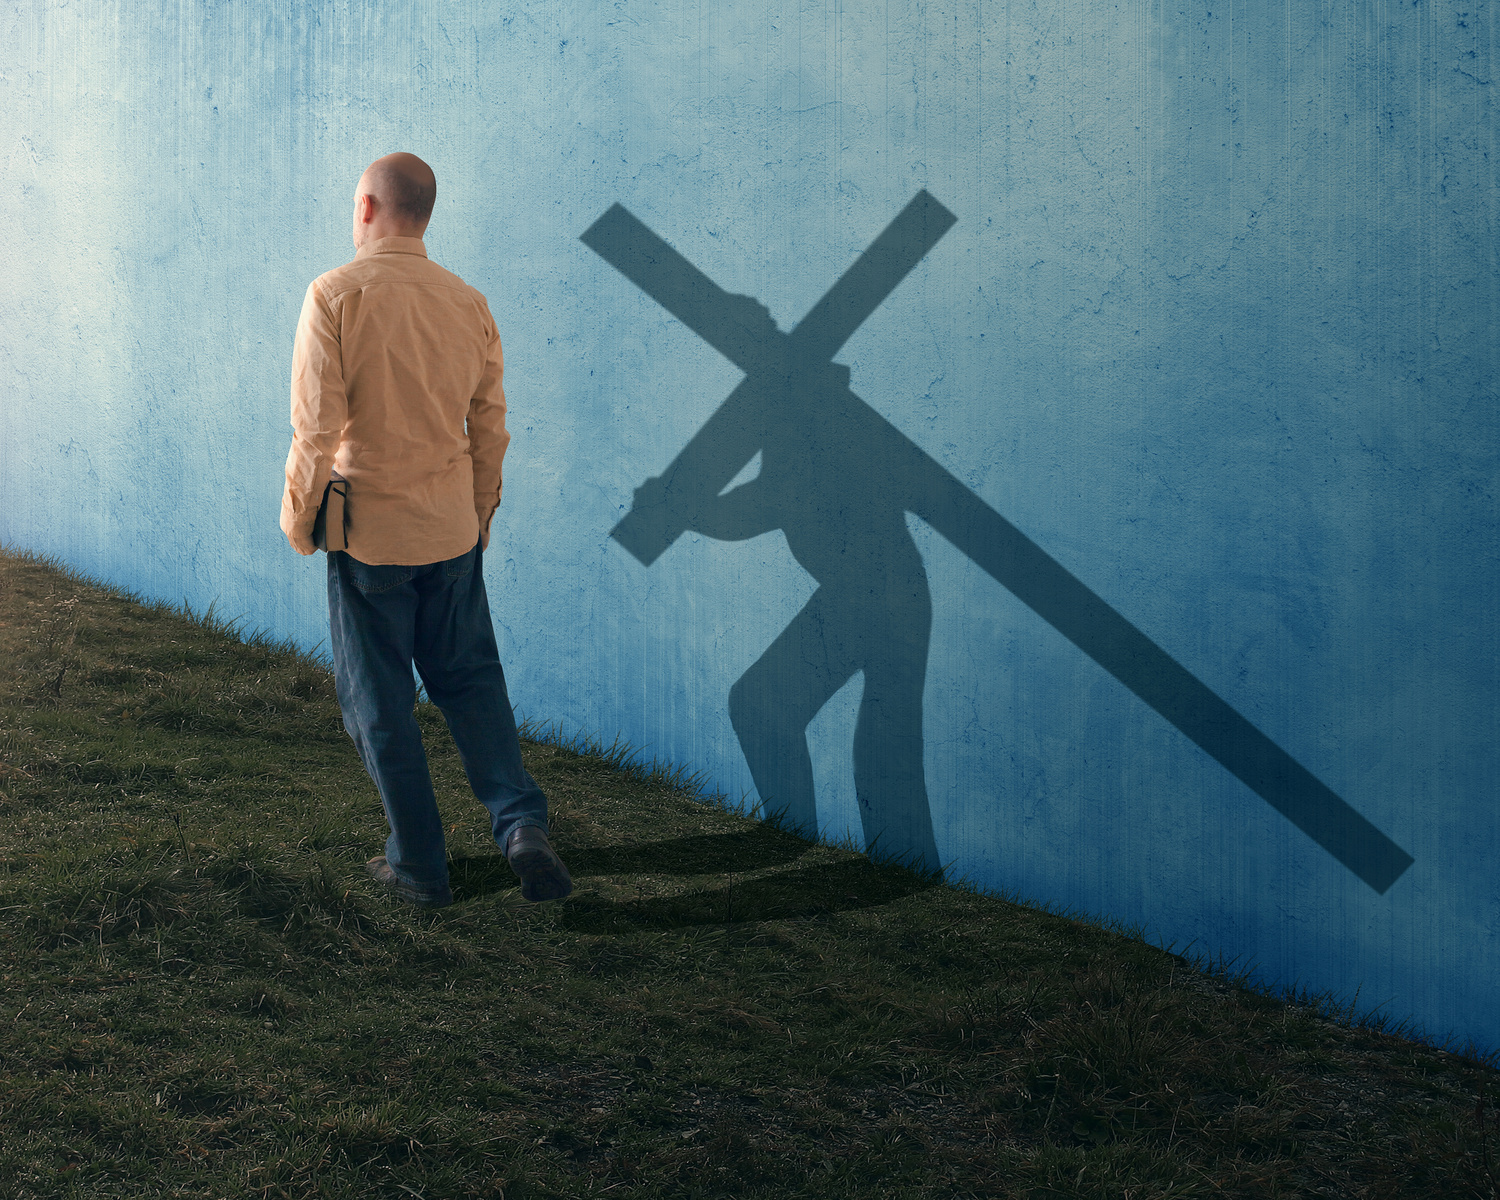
(1216, 329)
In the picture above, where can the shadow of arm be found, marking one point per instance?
(680, 498)
(748, 511)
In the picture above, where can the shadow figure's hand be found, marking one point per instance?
(750, 313)
(755, 342)
(650, 526)
(650, 496)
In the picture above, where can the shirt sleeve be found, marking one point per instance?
(319, 409)
(488, 436)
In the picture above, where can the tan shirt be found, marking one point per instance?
(396, 385)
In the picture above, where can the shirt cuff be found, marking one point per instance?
(294, 525)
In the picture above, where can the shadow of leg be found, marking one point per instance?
(771, 706)
(889, 774)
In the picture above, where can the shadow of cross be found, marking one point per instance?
(838, 479)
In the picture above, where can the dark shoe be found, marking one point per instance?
(543, 876)
(381, 872)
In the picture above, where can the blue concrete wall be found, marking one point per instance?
(1215, 330)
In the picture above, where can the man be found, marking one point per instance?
(396, 387)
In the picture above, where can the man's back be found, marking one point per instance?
(396, 378)
(396, 384)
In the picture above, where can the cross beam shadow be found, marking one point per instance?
(838, 479)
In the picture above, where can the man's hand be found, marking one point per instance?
(302, 543)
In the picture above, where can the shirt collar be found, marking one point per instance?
(392, 245)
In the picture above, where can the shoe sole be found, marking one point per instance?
(543, 876)
(380, 871)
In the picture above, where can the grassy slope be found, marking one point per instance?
(204, 996)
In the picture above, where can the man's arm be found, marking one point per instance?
(488, 436)
(319, 409)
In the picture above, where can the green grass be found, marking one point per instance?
(205, 996)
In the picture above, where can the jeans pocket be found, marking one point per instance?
(457, 568)
(372, 580)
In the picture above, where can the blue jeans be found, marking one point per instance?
(381, 620)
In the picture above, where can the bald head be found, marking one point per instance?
(394, 198)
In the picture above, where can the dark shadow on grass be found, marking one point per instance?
(473, 876)
(786, 895)
(702, 854)
(810, 891)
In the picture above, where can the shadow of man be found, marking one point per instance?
(838, 479)
(829, 480)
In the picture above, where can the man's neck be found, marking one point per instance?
(380, 229)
